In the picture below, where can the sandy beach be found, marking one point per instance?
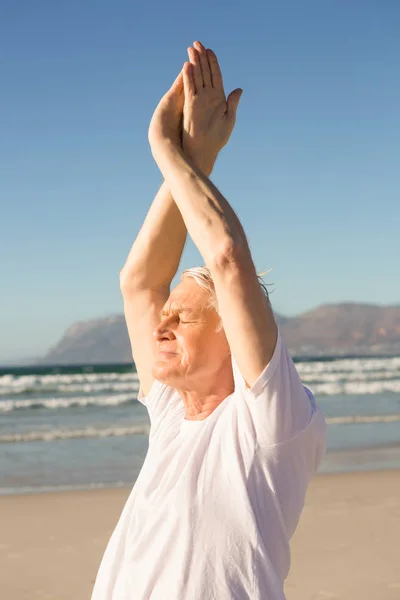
(347, 546)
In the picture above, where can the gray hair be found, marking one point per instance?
(204, 279)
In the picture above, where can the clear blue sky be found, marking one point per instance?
(312, 168)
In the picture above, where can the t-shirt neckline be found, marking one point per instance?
(195, 424)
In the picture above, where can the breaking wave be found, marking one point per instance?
(67, 434)
(67, 402)
(144, 429)
(353, 388)
(13, 385)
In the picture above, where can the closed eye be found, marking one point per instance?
(176, 315)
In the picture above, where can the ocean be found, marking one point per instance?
(82, 427)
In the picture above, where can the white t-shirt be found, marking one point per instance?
(217, 501)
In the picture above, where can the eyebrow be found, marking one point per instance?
(177, 309)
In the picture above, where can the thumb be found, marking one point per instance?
(177, 86)
(233, 102)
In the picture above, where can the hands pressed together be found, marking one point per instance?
(194, 114)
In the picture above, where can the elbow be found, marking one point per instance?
(135, 280)
(123, 280)
(128, 281)
(231, 255)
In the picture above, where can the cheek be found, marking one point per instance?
(193, 344)
(204, 346)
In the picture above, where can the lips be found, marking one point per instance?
(166, 352)
(164, 346)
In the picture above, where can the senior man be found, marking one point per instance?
(235, 437)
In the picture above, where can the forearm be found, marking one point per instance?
(210, 220)
(155, 255)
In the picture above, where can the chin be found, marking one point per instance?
(165, 373)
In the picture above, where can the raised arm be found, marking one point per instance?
(213, 225)
(146, 277)
(155, 255)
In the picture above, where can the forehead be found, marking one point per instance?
(188, 295)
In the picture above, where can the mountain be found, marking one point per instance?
(97, 341)
(344, 329)
(329, 330)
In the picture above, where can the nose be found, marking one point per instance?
(163, 331)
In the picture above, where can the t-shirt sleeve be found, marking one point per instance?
(156, 399)
(279, 405)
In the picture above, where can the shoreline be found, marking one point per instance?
(32, 491)
(345, 547)
(331, 465)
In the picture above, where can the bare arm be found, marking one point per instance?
(215, 229)
(156, 252)
(146, 277)
(154, 258)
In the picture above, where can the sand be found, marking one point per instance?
(347, 546)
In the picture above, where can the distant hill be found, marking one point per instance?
(330, 329)
(97, 341)
(347, 328)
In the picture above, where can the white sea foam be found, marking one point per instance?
(67, 378)
(355, 388)
(349, 376)
(144, 429)
(66, 402)
(39, 489)
(84, 388)
(353, 376)
(350, 364)
(67, 434)
(11, 385)
(352, 419)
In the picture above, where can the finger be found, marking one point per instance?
(215, 70)
(177, 86)
(205, 67)
(188, 81)
(233, 103)
(196, 68)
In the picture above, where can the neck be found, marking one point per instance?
(199, 404)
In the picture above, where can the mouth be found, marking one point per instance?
(166, 353)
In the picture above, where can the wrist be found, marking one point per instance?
(167, 152)
(204, 163)
(160, 145)
(164, 147)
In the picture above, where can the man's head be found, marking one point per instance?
(192, 349)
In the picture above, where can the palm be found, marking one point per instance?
(204, 115)
(208, 118)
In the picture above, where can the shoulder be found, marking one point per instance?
(159, 398)
(279, 405)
